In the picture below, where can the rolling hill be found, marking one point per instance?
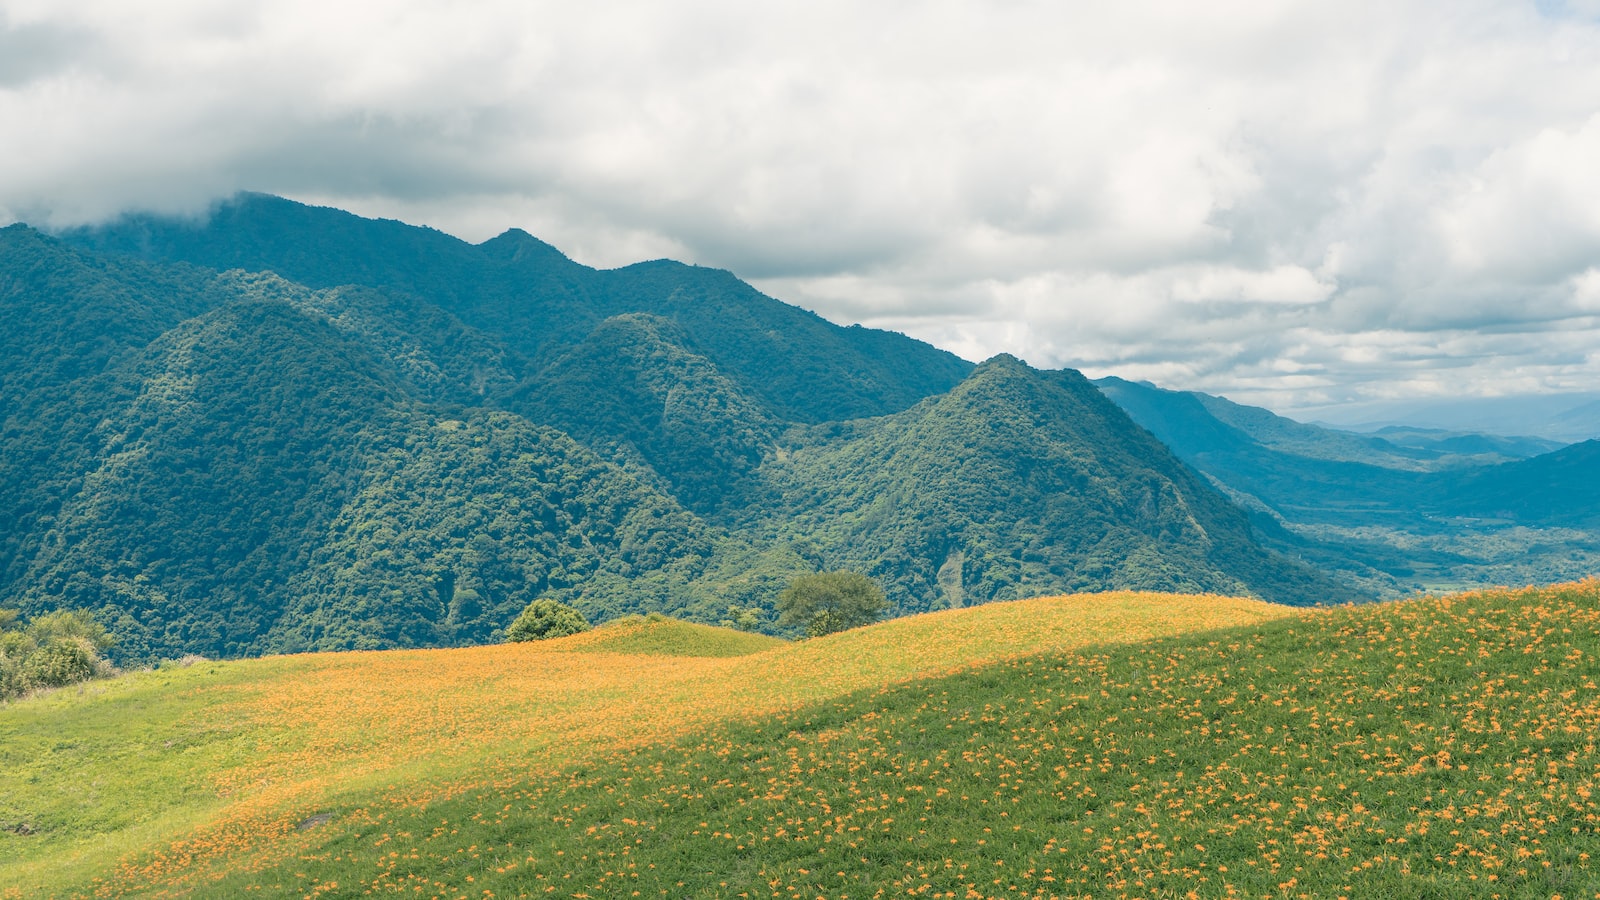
(1126, 745)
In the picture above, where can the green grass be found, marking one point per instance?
(88, 785)
(1426, 749)
(287, 738)
(1440, 747)
(658, 635)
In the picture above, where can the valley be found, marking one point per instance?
(1398, 511)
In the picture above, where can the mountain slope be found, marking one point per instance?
(456, 526)
(1022, 482)
(802, 367)
(523, 292)
(1406, 509)
(67, 320)
(1193, 423)
(1561, 488)
(262, 477)
(1310, 473)
(240, 443)
(633, 390)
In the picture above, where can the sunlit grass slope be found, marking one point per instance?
(657, 635)
(1435, 748)
(164, 781)
(1432, 748)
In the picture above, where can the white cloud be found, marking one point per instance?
(1586, 291)
(1282, 201)
(1531, 210)
(1282, 284)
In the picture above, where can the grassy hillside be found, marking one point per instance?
(657, 635)
(1109, 746)
(178, 776)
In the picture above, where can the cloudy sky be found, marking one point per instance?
(1306, 205)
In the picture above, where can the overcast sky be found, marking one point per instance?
(1293, 204)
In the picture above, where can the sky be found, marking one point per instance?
(1316, 207)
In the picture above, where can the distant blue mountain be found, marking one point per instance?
(1463, 508)
(1565, 418)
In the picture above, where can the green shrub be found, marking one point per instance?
(545, 619)
(53, 650)
(11, 680)
(60, 662)
(71, 625)
(743, 618)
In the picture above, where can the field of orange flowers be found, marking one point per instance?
(228, 759)
(1122, 746)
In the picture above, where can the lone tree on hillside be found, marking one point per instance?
(546, 619)
(831, 601)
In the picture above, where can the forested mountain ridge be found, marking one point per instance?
(288, 428)
(633, 388)
(199, 492)
(1019, 482)
(538, 302)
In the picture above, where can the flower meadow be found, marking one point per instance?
(1116, 746)
(159, 781)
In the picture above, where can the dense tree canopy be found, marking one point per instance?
(826, 602)
(544, 619)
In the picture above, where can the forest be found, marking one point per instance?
(288, 428)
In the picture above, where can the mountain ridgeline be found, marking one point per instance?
(288, 428)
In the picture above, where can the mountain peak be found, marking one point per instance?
(1003, 359)
(516, 245)
(1007, 373)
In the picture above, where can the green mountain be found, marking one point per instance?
(1455, 445)
(1559, 488)
(66, 320)
(257, 480)
(1395, 511)
(288, 428)
(526, 294)
(1017, 483)
(236, 445)
(635, 391)
(1293, 471)
(1195, 423)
